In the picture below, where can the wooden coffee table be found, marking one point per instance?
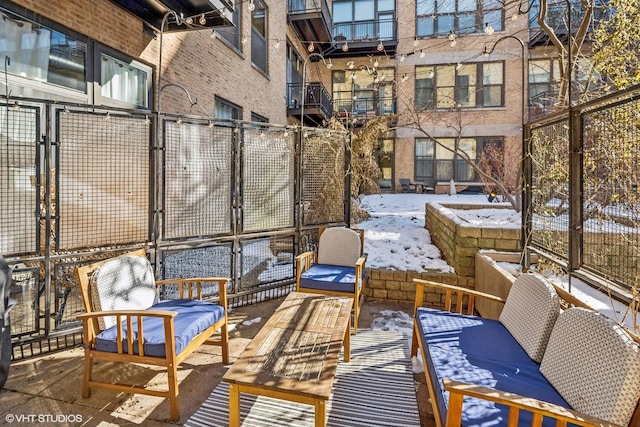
(295, 355)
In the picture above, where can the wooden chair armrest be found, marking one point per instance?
(187, 287)
(360, 262)
(449, 289)
(304, 261)
(515, 402)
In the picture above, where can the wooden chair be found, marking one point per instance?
(120, 295)
(336, 268)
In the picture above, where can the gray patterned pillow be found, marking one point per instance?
(530, 312)
(594, 364)
(123, 283)
(339, 246)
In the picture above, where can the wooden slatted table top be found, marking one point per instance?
(297, 349)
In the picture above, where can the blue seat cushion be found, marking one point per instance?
(194, 316)
(329, 278)
(481, 352)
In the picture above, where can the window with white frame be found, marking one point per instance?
(472, 85)
(442, 17)
(44, 62)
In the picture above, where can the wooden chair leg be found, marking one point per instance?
(224, 332)
(356, 314)
(87, 375)
(172, 380)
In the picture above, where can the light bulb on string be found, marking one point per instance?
(251, 6)
(202, 20)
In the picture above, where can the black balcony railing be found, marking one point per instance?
(383, 29)
(317, 98)
(364, 108)
(309, 6)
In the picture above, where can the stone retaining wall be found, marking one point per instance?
(398, 286)
(459, 240)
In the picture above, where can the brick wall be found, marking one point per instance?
(206, 67)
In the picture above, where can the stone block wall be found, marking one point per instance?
(459, 241)
(398, 286)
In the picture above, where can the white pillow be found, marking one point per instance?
(594, 364)
(123, 283)
(531, 309)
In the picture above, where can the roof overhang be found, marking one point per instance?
(187, 14)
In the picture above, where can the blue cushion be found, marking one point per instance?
(194, 316)
(481, 352)
(329, 278)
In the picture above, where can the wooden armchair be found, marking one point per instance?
(336, 268)
(125, 322)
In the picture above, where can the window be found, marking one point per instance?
(125, 82)
(232, 33)
(363, 93)
(473, 85)
(255, 117)
(227, 110)
(363, 19)
(438, 161)
(442, 17)
(544, 75)
(46, 63)
(384, 157)
(294, 77)
(43, 55)
(259, 56)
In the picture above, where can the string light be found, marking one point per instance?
(244, 39)
(189, 20)
(329, 64)
(107, 117)
(213, 34)
(311, 47)
(422, 54)
(402, 57)
(380, 46)
(351, 65)
(251, 6)
(416, 42)
(179, 121)
(345, 47)
(277, 45)
(202, 20)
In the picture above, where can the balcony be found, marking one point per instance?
(363, 38)
(311, 20)
(363, 109)
(317, 102)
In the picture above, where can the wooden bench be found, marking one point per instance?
(535, 366)
(120, 295)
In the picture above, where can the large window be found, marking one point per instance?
(363, 91)
(439, 160)
(46, 63)
(442, 17)
(473, 85)
(259, 53)
(363, 19)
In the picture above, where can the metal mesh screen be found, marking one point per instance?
(209, 261)
(611, 209)
(550, 188)
(323, 180)
(19, 181)
(103, 180)
(266, 261)
(197, 186)
(25, 316)
(66, 297)
(268, 180)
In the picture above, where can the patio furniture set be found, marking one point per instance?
(535, 366)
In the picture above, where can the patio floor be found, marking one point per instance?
(46, 389)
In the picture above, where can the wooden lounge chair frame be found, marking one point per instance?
(456, 297)
(306, 259)
(188, 288)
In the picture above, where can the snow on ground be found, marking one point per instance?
(395, 237)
